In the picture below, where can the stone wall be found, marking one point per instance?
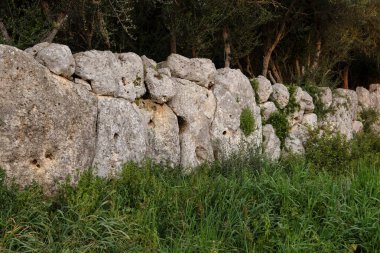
(61, 113)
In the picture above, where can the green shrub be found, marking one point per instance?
(247, 122)
(315, 92)
(292, 105)
(369, 117)
(280, 123)
(330, 152)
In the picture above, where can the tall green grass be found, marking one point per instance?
(244, 204)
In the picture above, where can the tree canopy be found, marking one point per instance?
(325, 42)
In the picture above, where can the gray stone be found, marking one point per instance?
(280, 95)
(294, 146)
(57, 58)
(326, 97)
(161, 87)
(83, 83)
(117, 75)
(267, 109)
(271, 143)
(374, 87)
(195, 108)
(357, 126)
(122, 135)
(47, 123)
(165, 71)
(307, 102)
(310, 120)
(163, 133)
(233, 93)
(198, 70)
(364, 98)
(264, 89)
(148, 63)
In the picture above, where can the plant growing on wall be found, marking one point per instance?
(247, 122)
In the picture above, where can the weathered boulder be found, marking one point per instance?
(198, 70)
(121, 135)
(364, 98)
(271, 143)
(148, 63)
(294, 145)
(325, 97)
(163, 145)
(267, 109)
(375, 100)
(117, 75)
(233, 93)
(357, 126)
(160, 86)
(310, 120)
(47, 123)
(296, 116)
(195, 108)
(57, 58)
(374, 87)
(280, 95)
(264, 89)
(345, 108)
(307, 102)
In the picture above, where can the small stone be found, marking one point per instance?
(280, 95)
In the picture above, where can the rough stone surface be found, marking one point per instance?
(374, 87)
(280, 95)
(310, 120)
(195, 108)
(117, 75)
(148, 63)
(160, 86)
(307, 102)
(57, 58)
(345, 108)
(122, 135)
(271, 143)
(83, 83)
(47, 123)
(264, 89)
(326, 97)
(267, 109)
(357, 126)
(297, 116)
(198, 70)
(364, 98)
(233, 93)
(294, 146)
(163, 145)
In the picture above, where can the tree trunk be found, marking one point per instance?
(249, 66)
(7, 39)
(318, 47)
(57, 25)
(173, 43)
(227, 47)
(276, 73)
(345, 76)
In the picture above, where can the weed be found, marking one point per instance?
(247, 122)
(280, 123)
(369, 117)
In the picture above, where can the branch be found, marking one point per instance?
(4, 33)
(57, 26)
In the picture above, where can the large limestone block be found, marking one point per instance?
(307, 102)
(233, 93)
(195, 108)
(163, 133)
(325, 97)
(264, 89)
(198, 70)
(121, 135)
(47, 123)
(117, 75)
(364, 98)
(160, 86)
(267, 109)
(280, 95)
(345, 108)
(57, 58)
(271, 143)
(374, 87)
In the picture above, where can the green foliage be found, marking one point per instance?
(292, 105)
(280, 123)
(328, 152)
(247, 121)
(243, 204)
(255, 87)
(315, 92)
(369, 117)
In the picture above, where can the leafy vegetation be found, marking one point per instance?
(247, 121)
(280, 123)
(369, 117)
(244, 204)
